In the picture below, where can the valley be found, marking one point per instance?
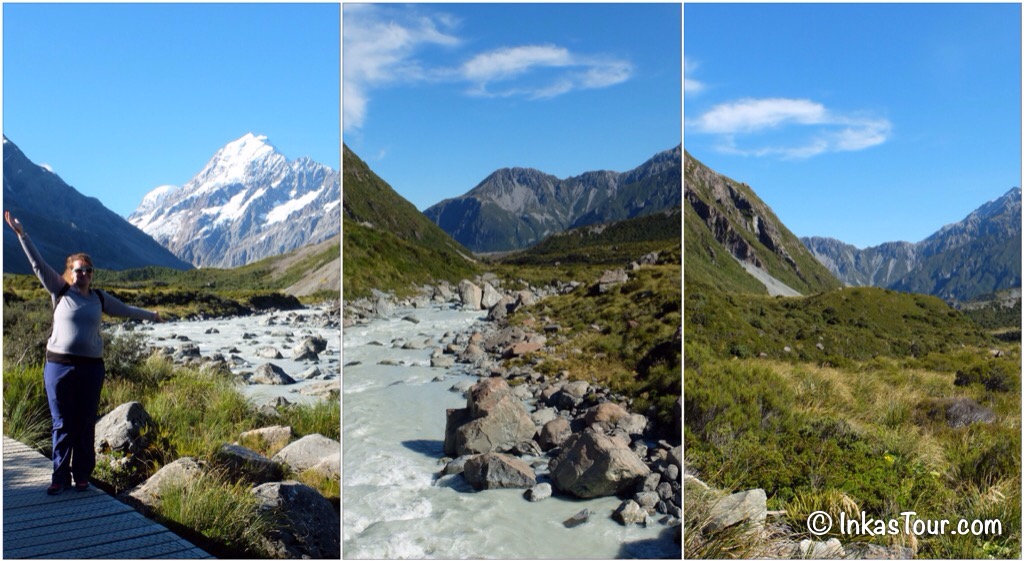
(587, 320)
(846, 400)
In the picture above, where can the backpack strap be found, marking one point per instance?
(60, 294)
(64, 290)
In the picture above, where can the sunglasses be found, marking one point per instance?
(81, 270)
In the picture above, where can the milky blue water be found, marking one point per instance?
(393, 421)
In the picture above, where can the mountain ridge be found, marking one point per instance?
(514, 208)
(63, 221)
(961, 261)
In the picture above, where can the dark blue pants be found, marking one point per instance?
(74, 395)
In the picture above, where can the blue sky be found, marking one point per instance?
(438, 96)
(863, 122)
(121, 98)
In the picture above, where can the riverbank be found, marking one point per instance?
(406, 366)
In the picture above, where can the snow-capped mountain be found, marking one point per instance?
(248, 203)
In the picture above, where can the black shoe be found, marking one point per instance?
(81, 486)
(55, 489)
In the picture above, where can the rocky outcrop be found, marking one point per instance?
(593, 465)
(308, 524)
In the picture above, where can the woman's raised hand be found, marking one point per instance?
(14, 223)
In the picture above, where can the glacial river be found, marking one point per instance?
(393, 421)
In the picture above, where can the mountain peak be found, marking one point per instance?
(247, 203)
(249, 156)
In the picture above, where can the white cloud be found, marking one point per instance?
(383, 46)
(808, 127)
(526, 65)
(380, 47)
(691, 85)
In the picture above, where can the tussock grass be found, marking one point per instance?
(223, 511)
(869, 436)
(26, 412)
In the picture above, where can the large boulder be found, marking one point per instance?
(504, 426)
(146, 496)
(490, 297)
(470, 295)
(121, 429)
(308, 525)
(594, 465)
(498, 471)
(244, 463)
(307, 451)
(493, 420)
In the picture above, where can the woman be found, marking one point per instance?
(73, 374)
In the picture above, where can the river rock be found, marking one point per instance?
(307, 451)
(607, 414)
(634, 424)
(554, 433)
(269, 352)
(580, 517)
(629, 512)
(146, 496)
(269, 373)
(490, 297)
(472, 354)
(543, 416)
(493, 420)
(498, 471)
(538, 492)
(470, 295)
(308, 526)
(593, 465)
(121, 429)
(242, 462)
(442, 361)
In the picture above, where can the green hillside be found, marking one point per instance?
(389, 245)
(843, 400)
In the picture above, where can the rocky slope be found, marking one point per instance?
(732, 237)
(62, 221)
(515, 208)
(247, 203)
(979, 255)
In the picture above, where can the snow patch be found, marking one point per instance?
(283, 211)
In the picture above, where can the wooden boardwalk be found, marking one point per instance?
(75, 524)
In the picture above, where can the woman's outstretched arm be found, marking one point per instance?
(52, 280)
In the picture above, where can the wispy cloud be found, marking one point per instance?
(810, 128)
(380, 48)
(691, 85)
(384, 46)
(528, 67)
